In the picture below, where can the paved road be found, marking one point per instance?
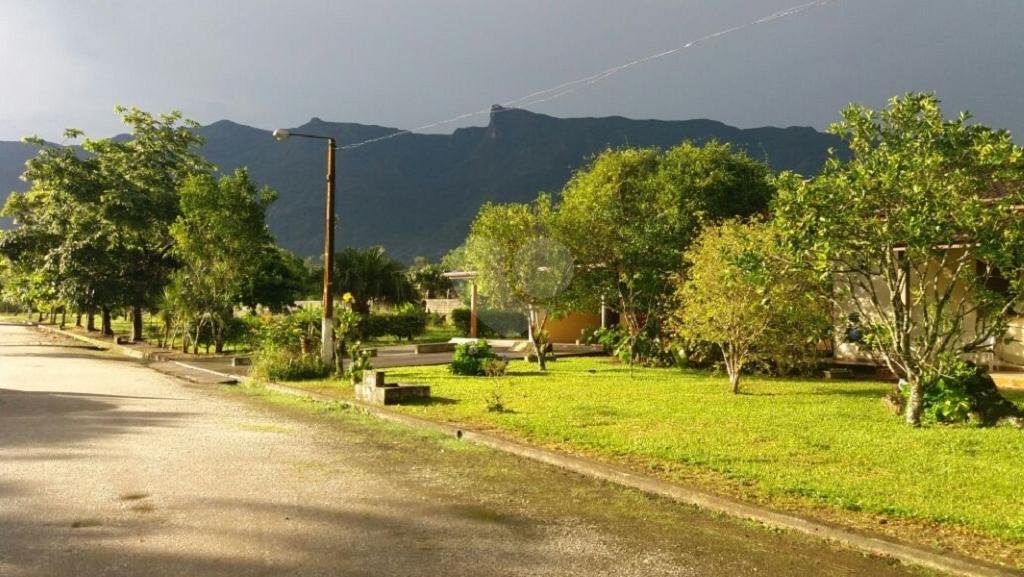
(110, 468)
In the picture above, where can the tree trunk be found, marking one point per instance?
(90, 321)
(39, 319)
(915, 404)
(63, 317)
(78, 319)
(733, 366)
(542, 356)
(136, 324)
(105, 327)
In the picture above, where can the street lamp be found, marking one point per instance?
(327, 327)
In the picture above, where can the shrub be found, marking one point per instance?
(646, 350)
(495, 367)
(962, 392)
(285, 365)
(359, 364)
(496, 402)
(288, 346)
(469, 358)
(401, 325)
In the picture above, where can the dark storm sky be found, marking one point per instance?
(406, 63)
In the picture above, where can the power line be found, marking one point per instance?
(567, 88)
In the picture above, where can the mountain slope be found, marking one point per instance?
(416, 194)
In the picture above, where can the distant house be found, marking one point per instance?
(1005, 353)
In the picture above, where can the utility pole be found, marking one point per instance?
(327, 324)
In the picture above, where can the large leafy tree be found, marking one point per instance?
(519, 265)
(141, 176)
(921, 231)
(629, 215)
(743, 293)
(58, 242)
(222, 246)
(370, 275)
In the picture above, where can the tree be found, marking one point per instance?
(57, 240)
(370, 275)
(741, 293)
(629, 215)
(428, 279)
(519, 265)
(222, 245)
(920, 232)
(281, 278)
(141, 176)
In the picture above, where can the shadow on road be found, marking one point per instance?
(27, 418)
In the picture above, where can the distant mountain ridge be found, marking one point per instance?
(416, 194)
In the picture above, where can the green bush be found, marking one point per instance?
(963, 393)
(495, 367)
(647, 350)
(287, 347)
(499, 323)
(469, 358)
(285, 365)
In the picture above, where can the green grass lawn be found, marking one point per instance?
(827, 447)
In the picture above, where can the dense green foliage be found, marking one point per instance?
(742, 292)
(428, 279)
(289, 344)
(224, 250)
(964, 393)
(472, 359)
(94, 228)
(628, 216)
(406, 324)
(140, 223)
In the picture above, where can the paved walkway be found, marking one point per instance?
(110, 468)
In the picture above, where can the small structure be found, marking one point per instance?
(375, 390)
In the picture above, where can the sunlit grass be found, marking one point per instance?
(831, 446)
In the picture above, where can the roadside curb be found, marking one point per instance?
(877, 545)
(99, 343)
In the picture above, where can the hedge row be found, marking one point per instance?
(401, 325)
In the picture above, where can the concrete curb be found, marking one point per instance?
(877, 545)
(103, 344)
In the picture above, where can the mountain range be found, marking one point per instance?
(416, 194)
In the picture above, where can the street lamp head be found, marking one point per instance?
(281, 134)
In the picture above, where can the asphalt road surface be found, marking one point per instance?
(110, 468)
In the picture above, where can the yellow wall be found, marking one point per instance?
(569, 329)
(1011, 353)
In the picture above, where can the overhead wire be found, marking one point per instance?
(566, 88)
